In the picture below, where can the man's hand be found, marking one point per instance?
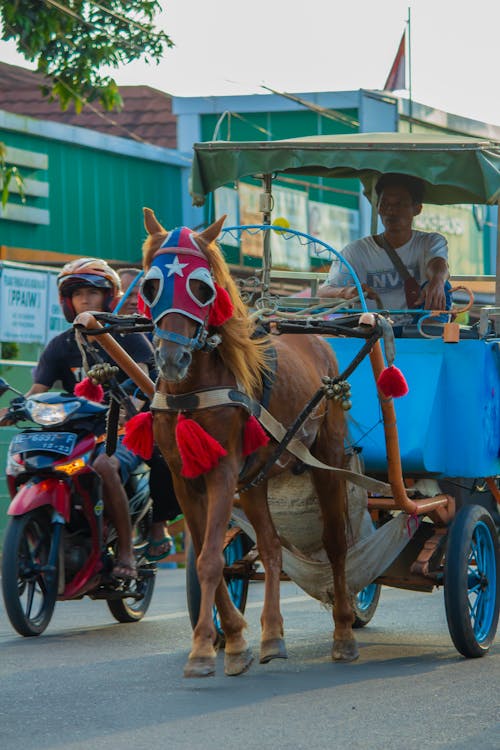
(433, 295)
(5, 421)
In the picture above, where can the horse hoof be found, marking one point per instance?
(345, 650)
(274, 648)
(200, 666)
(235, 664)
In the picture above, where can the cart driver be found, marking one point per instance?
(424, 254)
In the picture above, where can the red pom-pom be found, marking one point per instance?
(200, 452)
(222, 308)
(254, 436)
(392, 383)
(86, 389)
(138, 436)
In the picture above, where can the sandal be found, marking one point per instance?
(166, 542)
(124, 571)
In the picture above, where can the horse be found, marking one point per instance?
(205, 343)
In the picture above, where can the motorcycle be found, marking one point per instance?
(58, 543)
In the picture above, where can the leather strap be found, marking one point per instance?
(212, 397)
(381, 241)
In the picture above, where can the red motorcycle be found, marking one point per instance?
(58, 544)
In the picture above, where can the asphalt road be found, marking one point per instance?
(89, 682)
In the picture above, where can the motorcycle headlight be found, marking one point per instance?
(15, 465)
(51, 414)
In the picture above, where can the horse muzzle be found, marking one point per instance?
(173, 361)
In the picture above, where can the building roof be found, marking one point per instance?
(146, 114)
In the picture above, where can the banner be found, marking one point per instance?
(56, 322)
(335, 225)
(23, 305)
(289, 252)
(463, 233)
(29, 304)
(250, 213)
(226, 202)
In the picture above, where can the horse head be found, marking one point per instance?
(188, 290)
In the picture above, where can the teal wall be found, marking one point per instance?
(262, 126)
(96, 191)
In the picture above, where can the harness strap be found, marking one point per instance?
(212, 397)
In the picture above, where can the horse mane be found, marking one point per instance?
(243, 356)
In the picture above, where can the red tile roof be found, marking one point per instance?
(146, 114)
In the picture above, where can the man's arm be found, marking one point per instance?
(37, 388)
(339, 292)
(437, 273)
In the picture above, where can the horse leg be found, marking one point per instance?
(332, 497)
(209, 565)
(237, 655)
(254, 503)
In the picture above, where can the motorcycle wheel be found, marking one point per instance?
(29, 589)
(132, 609)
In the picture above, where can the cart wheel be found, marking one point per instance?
(237, 587)
(365, 603)
(472, 581)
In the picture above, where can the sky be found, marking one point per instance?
(228, 47)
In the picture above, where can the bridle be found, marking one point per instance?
(200, 342)
(175, 265)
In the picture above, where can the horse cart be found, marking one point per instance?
(399, 493)
(427, 515)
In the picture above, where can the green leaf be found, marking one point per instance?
(71, 48)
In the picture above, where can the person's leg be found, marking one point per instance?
(116, 505)
(165, 507)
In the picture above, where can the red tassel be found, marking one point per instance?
(222, 308)
(200, 452)
(87, 389)
(392, 383)
(138, 436)
(254, 436)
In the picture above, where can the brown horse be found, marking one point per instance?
(191, 360)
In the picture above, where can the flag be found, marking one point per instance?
(397, 75)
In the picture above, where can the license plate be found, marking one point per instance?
(53, 442)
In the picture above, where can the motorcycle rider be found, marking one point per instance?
(90, 284)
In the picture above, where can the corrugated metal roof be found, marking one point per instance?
(146, 114)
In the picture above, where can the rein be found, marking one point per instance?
(201, 342)
(336, 388)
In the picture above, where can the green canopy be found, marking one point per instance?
(456, 169)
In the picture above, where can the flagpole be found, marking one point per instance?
(410, 108)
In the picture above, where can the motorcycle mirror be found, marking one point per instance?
(4, 387)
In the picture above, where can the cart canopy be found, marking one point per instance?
(456, 169)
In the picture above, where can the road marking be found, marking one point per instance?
(250, 605)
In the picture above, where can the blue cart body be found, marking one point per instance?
(448, 423)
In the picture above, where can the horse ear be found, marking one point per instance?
(151, 223)
(212, 232)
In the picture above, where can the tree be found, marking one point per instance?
(9, 172)
(72, 40)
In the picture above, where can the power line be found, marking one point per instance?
(330, 114)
